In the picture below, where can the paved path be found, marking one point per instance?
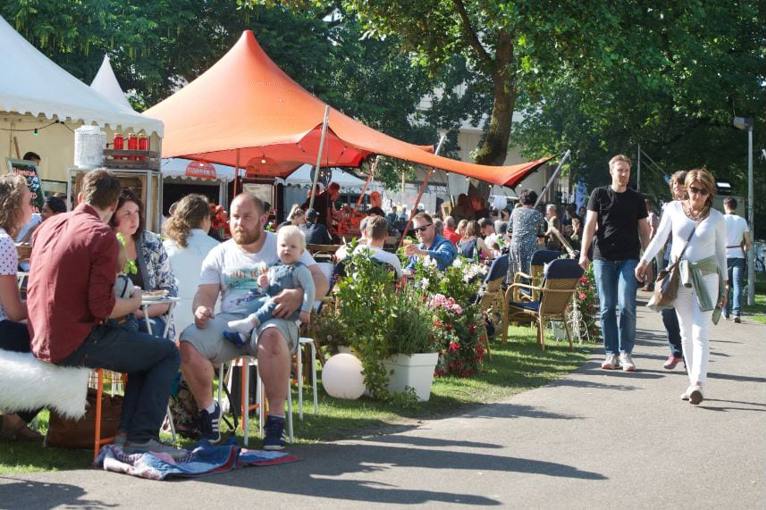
(591, 440)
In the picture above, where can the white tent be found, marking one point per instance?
(33, 84)
(106, 84)
(302, 177)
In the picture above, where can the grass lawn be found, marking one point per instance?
(514, 367)
(757, 312)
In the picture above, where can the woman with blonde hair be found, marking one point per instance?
(187, 244)
(15, 212)
(699, 242)
(669, 318)
(296, 217)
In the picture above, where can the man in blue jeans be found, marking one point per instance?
(737, 245)
(620, 214)
(70, 297)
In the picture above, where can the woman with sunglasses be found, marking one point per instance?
(702, 271)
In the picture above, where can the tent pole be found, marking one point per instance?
(547, 184)
(373, 167)
(236, 175)
(420, 191)
(325, 121)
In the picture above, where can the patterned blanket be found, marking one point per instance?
(202, 460)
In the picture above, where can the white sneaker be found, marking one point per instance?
(695, 395)
(610, 362)
(626, 362)
(685, 394)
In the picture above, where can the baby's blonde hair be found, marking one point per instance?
(291, 231)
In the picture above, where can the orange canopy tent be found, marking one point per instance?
(245, 111)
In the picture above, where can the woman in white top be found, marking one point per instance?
(187, 244)
(702, 271)
(15, 211)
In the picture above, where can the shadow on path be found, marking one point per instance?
(326, 470)
(46, 495)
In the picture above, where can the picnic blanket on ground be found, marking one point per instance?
(202, 460)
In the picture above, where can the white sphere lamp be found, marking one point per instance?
(342, 377)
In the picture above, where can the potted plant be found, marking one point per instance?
(379, 322)
(409, 337)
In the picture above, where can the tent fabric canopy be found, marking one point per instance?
(245, 111)
(106, 84)
(32, 83)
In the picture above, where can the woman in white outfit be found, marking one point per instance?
(187, 244)
(702, 271)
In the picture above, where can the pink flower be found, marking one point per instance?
(454, 346)
(581, 296)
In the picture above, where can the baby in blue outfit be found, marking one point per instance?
(288, 273)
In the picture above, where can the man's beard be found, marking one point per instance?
(244, 237)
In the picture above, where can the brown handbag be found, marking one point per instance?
(666, 284)
(67, 433)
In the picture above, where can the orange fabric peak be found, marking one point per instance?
(245, 111)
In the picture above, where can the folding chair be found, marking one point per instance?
(558, 286)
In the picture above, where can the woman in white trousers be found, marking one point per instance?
(702, 271)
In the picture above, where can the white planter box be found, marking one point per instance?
(415, 371)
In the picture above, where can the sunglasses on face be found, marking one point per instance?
(697, 191)
(423, 228)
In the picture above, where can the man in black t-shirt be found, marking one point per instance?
(620, 215)
(324, 204)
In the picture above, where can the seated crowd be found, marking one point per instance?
(79, 314)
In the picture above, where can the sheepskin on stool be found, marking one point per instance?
(27, 383)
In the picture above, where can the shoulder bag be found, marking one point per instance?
(666, 284)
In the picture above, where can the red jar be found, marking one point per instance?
(132, 144)
(118, 141)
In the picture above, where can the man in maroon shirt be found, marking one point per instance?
(70, 297)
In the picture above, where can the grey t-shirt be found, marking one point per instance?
(236, 271)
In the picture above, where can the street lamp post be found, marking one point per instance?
(746, 123)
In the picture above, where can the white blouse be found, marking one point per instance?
(709, 239)
(186, 264)
(8, 261)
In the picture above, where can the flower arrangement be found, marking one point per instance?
(455, 330)
(587, 304)
(458, 326)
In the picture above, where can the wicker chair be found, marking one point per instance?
(554, 294)
(534, 278)
(491, 298)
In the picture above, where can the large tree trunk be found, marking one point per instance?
(497, 135)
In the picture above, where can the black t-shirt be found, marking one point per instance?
(618, 216)
(321, 204)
